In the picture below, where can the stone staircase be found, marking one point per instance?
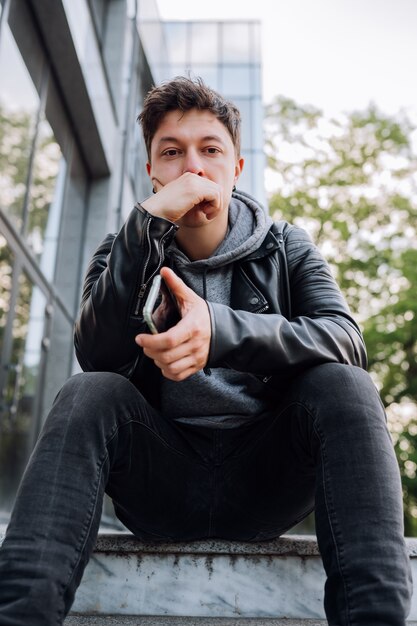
(189, 621)
(207, 583)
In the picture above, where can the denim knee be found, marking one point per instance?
(333, 375)
(92, 398)
(342, 395)
(339, 382)
(96, 382)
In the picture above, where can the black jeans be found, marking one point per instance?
(327, 447)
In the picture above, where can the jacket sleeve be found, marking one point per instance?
(321, 329)
(115, 289)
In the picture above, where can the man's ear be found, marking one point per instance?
(239, 167)
(148, 168)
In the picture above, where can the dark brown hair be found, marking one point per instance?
(183, 94)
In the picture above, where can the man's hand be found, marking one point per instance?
(182, 350)
(178, 197)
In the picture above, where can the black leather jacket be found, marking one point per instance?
(287, 313)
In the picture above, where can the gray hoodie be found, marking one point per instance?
(226, 398)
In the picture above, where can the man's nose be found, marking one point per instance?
(193, 164)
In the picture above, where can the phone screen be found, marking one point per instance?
(161, 310)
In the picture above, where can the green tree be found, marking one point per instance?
(351, 182)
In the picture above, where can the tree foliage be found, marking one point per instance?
(351, 181)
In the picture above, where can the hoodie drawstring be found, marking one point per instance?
(206, 370)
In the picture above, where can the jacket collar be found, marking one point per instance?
(271, 243)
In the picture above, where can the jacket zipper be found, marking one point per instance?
(144, 285)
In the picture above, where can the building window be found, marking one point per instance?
(99, 10)
(227, 55)
(19, 111)
(20, 375)
(43, 191)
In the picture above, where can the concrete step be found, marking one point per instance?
(207, 582)
(111, 620)
(186, 621)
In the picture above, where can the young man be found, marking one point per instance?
(249, 413)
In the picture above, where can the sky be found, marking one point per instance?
(338, 55)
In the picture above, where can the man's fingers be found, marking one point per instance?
(178, 367)
(183, 349)
(177, 286)
(189, 354)
(209, 210)
(177, 378)
(180, 377)
(178, 334)
(166, 357)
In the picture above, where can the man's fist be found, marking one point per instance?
(173, 200)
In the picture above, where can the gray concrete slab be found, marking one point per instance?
(125, 620)
(184, 621)
(287, 545)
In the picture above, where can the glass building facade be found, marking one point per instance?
(73, 76)
(227, 55)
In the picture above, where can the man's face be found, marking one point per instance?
(196, 142)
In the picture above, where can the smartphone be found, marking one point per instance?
(161, 310)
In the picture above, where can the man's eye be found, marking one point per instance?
(212, 150)
(171, 152)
